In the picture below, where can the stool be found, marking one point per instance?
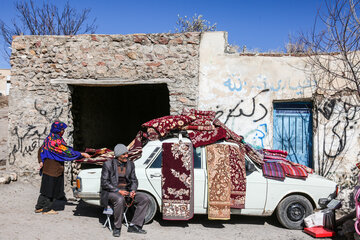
(109, 211)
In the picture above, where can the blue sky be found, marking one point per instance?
(263, 25)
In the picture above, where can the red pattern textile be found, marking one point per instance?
(165, 124)
(198, 113)
(274, 153)
(135, 148)
(273, 170)
(177, 181)
(294, 171)
(238, 176)
(202, 138)
(199, 128)
(219, 181)
(306, 168)
(267, 157)
(254, 155)
(230, 135)
(96, 152)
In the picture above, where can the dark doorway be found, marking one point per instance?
(105, 116)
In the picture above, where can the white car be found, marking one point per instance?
(291, 199)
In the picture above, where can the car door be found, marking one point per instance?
(153, 172)
(256, 191)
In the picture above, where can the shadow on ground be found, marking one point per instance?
(204, 221)
(87, 210)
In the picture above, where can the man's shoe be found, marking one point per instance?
(38, 210)
(116, 232)
(51, 212)
(136, 229)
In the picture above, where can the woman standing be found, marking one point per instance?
(52, 155)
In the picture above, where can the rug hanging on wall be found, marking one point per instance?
(219, 181)
(177, 181)
(238, 176)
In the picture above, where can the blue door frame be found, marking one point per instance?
(293, 130)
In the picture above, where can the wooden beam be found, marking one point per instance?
(111, 82)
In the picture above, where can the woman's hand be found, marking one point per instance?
(40, 165)
(85, 155)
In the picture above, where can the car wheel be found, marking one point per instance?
(152, 209)
(292, 210)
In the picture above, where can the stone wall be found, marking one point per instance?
(45, 67)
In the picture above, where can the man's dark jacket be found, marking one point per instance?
(110, 177)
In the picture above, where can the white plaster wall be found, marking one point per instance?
(241, 89)
(4, 76)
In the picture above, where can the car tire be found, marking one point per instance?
(292, 210)
(152, 209)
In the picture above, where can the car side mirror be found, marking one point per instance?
(249, 166)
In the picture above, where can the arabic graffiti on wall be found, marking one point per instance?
(256, 136)
(51, 115)
(252, 110)
(234, 83)
(340, 118)
(31, 140)
(26, 143)
(257, 110)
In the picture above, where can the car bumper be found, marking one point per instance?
(85, 195)
(323, 202)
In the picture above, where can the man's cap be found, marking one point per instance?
(120, 149)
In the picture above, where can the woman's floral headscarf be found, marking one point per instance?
(54, 146)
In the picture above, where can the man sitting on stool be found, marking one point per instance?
(118, 180)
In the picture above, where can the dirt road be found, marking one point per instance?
(77, 220)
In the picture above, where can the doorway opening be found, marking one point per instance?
(106, 116)
(293, 130)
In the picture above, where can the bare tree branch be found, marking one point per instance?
(46, 20)
(194, 24)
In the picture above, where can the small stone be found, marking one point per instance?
(32, 52)
(5, 180)
(176, 41)
(160, 56)
(100, 64)
(119, 57)
(93, 37)
(13, 176)
(188, 35)
(138, 39)
(84, 64)
(132, 55)
(44, 50)
(18, 45)
(153, 64)
(169, 62)
(183, 100)
(163, 40)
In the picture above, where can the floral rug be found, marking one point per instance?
(177, 181)
(219, 181)
(238, 176)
